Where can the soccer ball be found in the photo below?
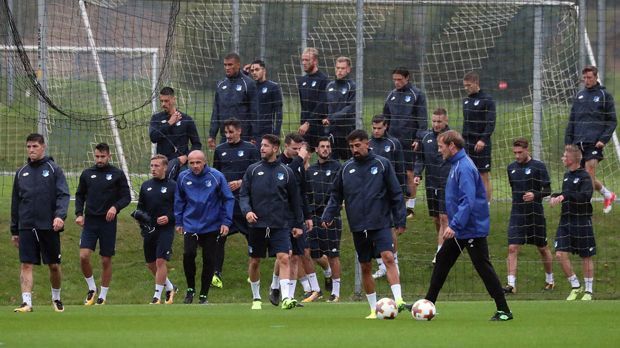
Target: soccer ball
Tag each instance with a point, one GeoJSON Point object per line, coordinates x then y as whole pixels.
{"type": "Point", "coordinates": [423, 310]}
{"type": "Point", "coordinates": [386, 309]}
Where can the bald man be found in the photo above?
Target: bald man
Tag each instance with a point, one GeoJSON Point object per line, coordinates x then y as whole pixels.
{"type": "Point", "coordinates": [203, 210]}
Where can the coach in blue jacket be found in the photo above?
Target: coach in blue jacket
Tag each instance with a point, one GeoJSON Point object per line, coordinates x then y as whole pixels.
{"type": "Point", "coordinates": [468, 224]}
{"type": "Point", "coordinates": [203, 210]}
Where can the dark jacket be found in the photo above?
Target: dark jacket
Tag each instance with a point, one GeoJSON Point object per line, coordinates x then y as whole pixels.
{"type": "Point", "coordinates": [312, 89]}
{"type": "Point", "coordinates": [430, 159]}
{"type": "Point", "coordinates": [157, 199]}
{"type": "Point", "coordinates": [340, 99]}
{"type": "Point", "coordinates": [40, 194]}
{"type": "Point", "coordinates": [528, 177]}
{"type": "Point", "coordinates": [592, 117]}
{"type": "Point", "coordinates": [234, 97]}
{"type": "Point", "coordinates": [371, 193]}
{"type": "Point", "coordinates": [100, 189]}
{"type": "Point", "coordinates": [172, 140]}
{"type": "Point", "coordinates": [478, 117]}
{"type": "Point", "coordinates": [233, 160]}
{"type": "Point", "coordinates": [269, 120]}
{"type": "Point", "coordinates": [391, 148]}
{"type": "Point", "coordinates": [405, 110]}
{"type": "Point", "coordinates": [297, 165]}
{"type": "Point", "coordinates": [577, 191]}
{"type": "Point", "coordinates": [319, 179]}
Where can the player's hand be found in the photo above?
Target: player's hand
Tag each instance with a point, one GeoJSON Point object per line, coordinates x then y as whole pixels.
{"type": "Point", "coordinates": [325, 122]}
{"type": "Point", "coordinates": [479, 146]}
{"type": "Point", "coordinates": [528, 196]}
{"type": "Point", "coordinates": [15, 241]}
{"type": "Point", "coordinates": [234, 185]}
{"type": "Point", "coordinates": [448, 233]}
{"type": "Point", "coordinates": [309, 225]}
{"type": "Point", "coordinates": [556, 200]}
{"type": "Point", "coordinates": [327, 224]}
{"type": "Point", "coordinates": [175, 117]}
{"type": "Point", "coordinates": [251, 217]}
{"type": "Point", "coordinates": [162, 220]}
{"type": "Point", "coordinates": [182, 159]}
{"type": "Point", "coordinates": [246, 68]}
{"type": "Point", "coordinates": [415, 145]}
{"type": "Point", "coordinates": [400, 230]}
{"type": "Point", "coordinates": [58, 224]}
{"type": "Point", "coordinates": [303, 128]}
{"type": "Point", "coordinates": [303, 152]}
{"type": "Point", "coordinates": [599, 145]}
{"type": "Point", "coordinates": [211, 143]}
{"type": "Point", "coordinates": [297, 232]}
{"type": "Point", "coordinates": [224, 230]}
{"type": "Point", "coordinates": [416, 180]}
{"type": "Point", "coordinates": [111, 214]}
{"type": "Point", "coordinates": [80, 220]}
{"type": "Point", "coordinates": [179, 229]}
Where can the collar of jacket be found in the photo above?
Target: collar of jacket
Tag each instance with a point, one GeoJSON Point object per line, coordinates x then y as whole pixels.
{"type": "Point", "coordinates": [460, 154]}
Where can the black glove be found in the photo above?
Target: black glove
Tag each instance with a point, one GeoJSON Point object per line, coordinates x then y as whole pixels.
{"type": "Point", "coordinates": [144, 220]}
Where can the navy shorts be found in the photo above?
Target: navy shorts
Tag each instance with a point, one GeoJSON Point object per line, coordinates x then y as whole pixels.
{"type": "Point", "coordinates": [97, 228]}
{"type": "Point", "coordinates": [481, 159]}
{"type": "Point", "coordinates": [589, 152]}
{"type": "Point", "coordinates": [436, 200]}
{"type": "Point", "coordinates": [324, 241]}
{"type": "Point", "coordinates": [35, 245]}
{"type": "Point", "coordinates": [527, 229]}
{"type": "Point", "coordinates": [371, 243]}
{"type": "Point", "coordinates": [298, 245]}
{"type": "Point", "coordinates": [576, 237]}
{"type": "Point", "coordinates": [276, 240]}
{"type": "Point", "coordinates": [158, 244]}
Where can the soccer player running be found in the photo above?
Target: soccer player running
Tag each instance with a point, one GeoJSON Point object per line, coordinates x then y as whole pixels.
{"type": "Point", "coordinates": [382, 144]}
{"type": "Point", "coordinates": [235, 96]}
{"type": "Point", "coordinates": [271, 202]}
{"type": "Point", "coordinates": [269, 94]}
{"type": "Point", "coordinates": [39, 204]}
{"type": "Point", "coordinates": [530, 183]}
{"type": "Point", "coordinates": [478, 126]}
{"type": "Point", "coordinates": [172, 130]}
{"type": "Point", "coordinates": [324, 241]}
{"type": "Point", "coordinates": [575, 233]}
{"type": "Point", "coordinates": [104, 190]}
{"type": "Point", "coordinates": [203, 211]}
{"type": "Point", "coordinates": [155, 213]}
{"type": "Point", "coordinates": [312, 87]}
{"type": "Point", "coordinates": [468, 224]}
{"type": "Point", "coordinates": [429, 159]}
{"type": "Point", "coordinates": [232, 158]}
{"type": "Point", "coordinates": [374, 203]}
{"type": "Point", "coordinates": [591, 125]}
{"type": "Point", "coordinates": [405, 110]}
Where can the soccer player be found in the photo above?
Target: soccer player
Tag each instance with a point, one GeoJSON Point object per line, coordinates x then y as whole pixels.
{"type": "Point", "coordinates": [382, 144]}
{"type": "Point", "coordinates": [340, 99]}
{"type": "Point", "coordinates": [270, 200]}
{"type": "Point", "coordinates": [156, 200]}
{"type": "Point", "coordinates": [171, 130]}
{"type": "Point", "coordinates": [269, 94]}
{"type": "Point", "coordinates": [530, 183]}
{"type": "Point", "coordinates": [591, 124]}
{"type": "Point", "coordinates": [429, 159]}
{"type": "Point", "coordinates": [39, 206]}
{"type": "Point", "coordinates": [104, 190]}
{"type": "Point", "coordinates": [235, 96]}
{"type": "Point", "coordinates": [232, 158]}
{"type": "Point", "coordinates": [478, 126]}
{"type": "Point", "coordinates": [575, 233]}
{"type": "Point", "coordinates": [324, 241]}
{"type": "Point", "coordinates": [203, 211]}
{"type": "Point", "coordinates": [405, 110]}
{"type": "Point", "coordinates": [312, 97]}
{"type": "Point", "coordinates": [468, 224]}
{"type": "Point", "coordinates": [374, 203]}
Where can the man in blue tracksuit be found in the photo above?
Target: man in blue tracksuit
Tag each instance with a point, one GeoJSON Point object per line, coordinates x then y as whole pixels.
{"type": "Point", "coordinates": [374, 203]}
{"type": "Point", "coordinates": [468, 224]}
{"type": "Point", "coordinates": [269, 94]}
{"type": "Point", "coordinates": [591, 125]}
{"type": "Point", "coordinates": [203, 210]}
{"type": "Point", "coordinates": [340, 99]}
{"type": "Point", "coordinates": [235, 96]}
{"type": "Point", "coordinates": [312, 87]}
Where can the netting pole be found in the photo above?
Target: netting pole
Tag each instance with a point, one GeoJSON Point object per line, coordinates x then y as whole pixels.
{"type": "Point", "coordinates": [235, 18]}
{"type": "Point", "coordinates": [42, 67]}
{"type": "Point", "coordinates": [10, 68]}
{"type": "Point", "coordinates": [359, 66]}
{"type": "Point", "coordinates": [602, 37]}
{"type": "Point", "coordinates": [106, 97]}
{"type": "Point", "coordinates": [420, 19]}
{"type": "Point", "coordinates": [304, 27]}
{"type": "Point", "coordinates": [263, 30]}
{"type": "Point", "coordinates": [537, 85]}
{"type": "Point", "coordinates": [155, 93]}
{"type": "Point", "coordinates": [582, 34]}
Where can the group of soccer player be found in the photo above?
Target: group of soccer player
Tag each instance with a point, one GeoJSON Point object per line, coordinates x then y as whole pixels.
{"type": "Point", "coordinates": [289, 209]}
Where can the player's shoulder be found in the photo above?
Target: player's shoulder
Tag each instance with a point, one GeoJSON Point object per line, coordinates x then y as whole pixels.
{"type": "Point", "coordinates": [158, 116]}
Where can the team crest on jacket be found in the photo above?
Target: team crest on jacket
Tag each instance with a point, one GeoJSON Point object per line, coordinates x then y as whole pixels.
{"type": "Point", "coordinates": [352, 171]}
{"type": "Point", "coordinates": [264, 90]}
{"type": "Point", "coordinates": [164, 189]}
{"type": "Point", "coordinates": [240, 153]}
{"type": "Point", "coordinates": [304, 83]}
{"type": "Point", "coordinates": [149, 188]}
{"type": "Point", "coordinates": [315, 173]}
{"type": "Point", "coordinates": [313, 83]}
{"type": "Point", "coordinates": [328, 173]}
{"type": "Point", "coordinates": [580, 97]}
{"type": "Point", "coordinates": [343, 91]}
{"type": "Point", "coordinates": [280, 176]}
{"type": "Point", "coordinates": [387, 148]}
{"type": "Point", "coordinates": [374, 170]}
{"type": "Point", "coordinates": [594, 152]}
{"type": "Point", "coordinates": [407, 98]}
{"type": "Point", "coordinates": [576, 180]}
{"type": "Point", "coordinates": [108, 177]}
{"type": "Point", "coordinates": [238, 88]}
{"type": "Point", "coordinates": [527, 171]}
{"type": "Point", "coordinates": [93, 176]}
{"type": "Point", "coordinates": [46, 173]}
{"type": "Point", "coordinates": [596, 99]}
{"type": "Point", "coordinates": [224, 87]}
{"type": "Point", "coordinates": [188, 183]}
{"type": "Point", "coordinates": [476, 102]}
{"type": "Point", "coordinates": [331, 89]}
{"type": "Point", "coordinates": [208, 182]}
{"type": "Point", "coordinates": [466, 102]}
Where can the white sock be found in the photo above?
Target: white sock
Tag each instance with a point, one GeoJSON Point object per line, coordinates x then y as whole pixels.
{"type": "Point", "coordinates": [410, 203]}
{"type": "Point", "coordinates": [169, 285]}
{"type": "Point", "coordinates": [574, 281]}
{"type": "Point", "coordinates": [284, 288]}
{"type": "Point", "coordinates": [605, 192]}
{"type": "Point", "coordinates": [55, 294]}
{"type": "Point", "coordinates": [396, 292]}
{"type": "Point", "coordinates": [292, 284]}
{"type": "Point", "coordinates": [372, 300]}
{"type": "Point", "coordinates": [314, 282]}
{"type": "Point", "coordinates": [336, 287]}
{"type": "Point", "coordinates": [305, 283]}
{"type": "Point", "coordinates": [438, 247]}
{"type": "Point", "coordinates": [512, 280]}
{"type": "Point", "coordinates": [589, 282]}
{"type": "Point", "coordinates": [327, 273]}
{"type": "Point", "coordinates": [104, 292]}
{"type": "Point", "coordinates": [91, 283]}
{"type": "Point", "coordinates": [275, 282]}
{"type": "Point", "coordinates": [549, 278]}
{"type": "Point", "coordinates": [381, 264]}
{"type": "Point", "coordinates": [396, 263]}
{"type": "Point", "coordinates": [255, 289]}
{"type": "Point", "coordinates": [158, 290]}
{"type": "Point", "coordinates": [27, 297]}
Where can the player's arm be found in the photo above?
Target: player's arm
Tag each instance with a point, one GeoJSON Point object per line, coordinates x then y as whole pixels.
{"type": "Point", "coordinates": [489, 126]}
{"type": "Point", "coordinates": [611, 122]}
{"type": "Point", "coordinates": [294, 200]}
{"type": "Point", "coordinates": [245, 201]}
{"type": "Point", "coordinates": [124, 195]}
{"type": "Point", "coordinates": [158, 130]}
{"type": "Point", "coordinates": [335, 200]}
{"type": "Point", "coordinates": [348, 109]}
{"type": "Point", "coordinates": [214, 124]}
{"type": "Point", "coordinates": [179, 203]}
{"type": "Point", "coordinates": [62, 199]}
{"type": "Point", "coordinates": [420, 114]}
{"type": "Point", "coordinates": [395, 193]}
{"type": "Point", "coordinates": [569, 133]}
{"type": "Point", "coordinates": [545, 184]}
{"type": "Point", "coordinates": [228, 202]}
{"type": "Point", "coordinates": [467, 192]}
{"type": "Point", "coordinates": [277, 110]}
{"type": "Point", "coordinates": [15, 200]}
{"type": "Point", "coordinates": [194, 138]}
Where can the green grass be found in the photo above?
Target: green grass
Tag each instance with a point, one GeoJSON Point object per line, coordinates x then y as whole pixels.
{"type": "Point", "coordinates": [462, 324]}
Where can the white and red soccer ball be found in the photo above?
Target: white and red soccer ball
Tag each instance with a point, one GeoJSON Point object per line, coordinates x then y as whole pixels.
{"type": "Point", "coordinates": [423, 310]}
{"type": "Point", "coordinates": [386, 308]}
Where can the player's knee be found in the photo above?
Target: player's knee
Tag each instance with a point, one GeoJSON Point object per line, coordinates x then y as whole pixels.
{"type": "Point", "coordinates": [513, 249]}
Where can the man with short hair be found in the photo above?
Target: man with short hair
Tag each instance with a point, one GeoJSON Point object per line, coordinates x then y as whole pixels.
{"type": "Point", "coordinates": [232, 158]}
{"type": "Point", "coordinates": [235, 96]}
{"type": "Point", "coordinates": [39, 206]}
{"type": "Point", "coordinates": [530, 183]}
{"type": "Point", "coordinates": [468, 224]}
{"type": "Point", "coordinates": [374, 203]}
{"type": "Point", "coordinates": [104, 190]}
{"type": "Point", "coordinates": [430, 160]}
{"type": "Point", "coordinates": [203, 211]}
{"type": "Point", "coordinates": [591, 125]}
{"type": "Point", "coordinates": [156, 200]}
{"type": "Point", "coordinates": [269, 94]}
{"type": "Point", "coordinates": [478, 126]}
{"type": "Point", "coordinates": [575, 233]}
{"type": "Point", "coordinates": [172, 130]}
{"type": "Point", "coordinates": [312, 87]}
{"type": "Point", "coordinates": [271, 203]}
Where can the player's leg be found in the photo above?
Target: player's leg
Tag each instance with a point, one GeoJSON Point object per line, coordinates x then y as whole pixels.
{"type": "Point", "coordinates": [513, 254]}
{"type": "Point", "coordinates": [413, 190]}
{"type": "Point", "coordinates": [446, 257]}
{"type": "Point", "coordinates": [591, 164]}
{"type": "Point", "coordinates": [50, 253]}
{"type": "Point", "coordinates": [586, 246]}
{"type": "Point", "coordinates": [310, 271]}
{"type": "Point", "coordinates": [365, 251]}
{"type": "Point", "coordinates": [190, 245]}
{"type": "Point", "coordinates": [274, 289]}
{"type": "Point", "coordinates": [29, 255]}
{"type": "Point", "coordinates": [220, 254]}
{"type": "Point", "coordinates": [547, 261]}
{"type": "Point", "coordinates": [332, 249]}
{"type": "Point", "coordinates": [588, 277]}
{"type": "Point", "coordinates": [88, 242]}
{"type": "Point", "coordinates": [163, 252]}
{"type": "Point", "coordinates": [208, 242]}
{"type": "Point", "coordinates": [26, 282]}
{"type": "Point", "coordinates": [564, 260]}
{"type": "Point", "coordinates": [107, 249]}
